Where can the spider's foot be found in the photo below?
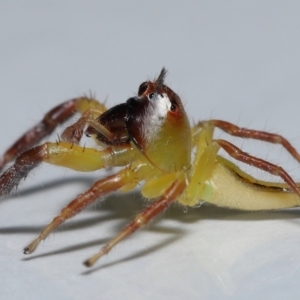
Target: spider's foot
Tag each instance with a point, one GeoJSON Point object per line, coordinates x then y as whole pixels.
{"type": "Point", "coordinates": [92, 260]}
{"type": "Point", "coordinates": [26, 250]}
{"type": "Point", "coordinates": [31, 247]}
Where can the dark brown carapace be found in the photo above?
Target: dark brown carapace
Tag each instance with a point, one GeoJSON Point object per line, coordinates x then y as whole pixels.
{"type": "Point", "coordinates": [150, 136]}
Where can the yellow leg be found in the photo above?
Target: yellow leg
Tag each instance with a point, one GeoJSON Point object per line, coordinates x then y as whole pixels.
{"type": "Point", "coordinates": [87, 159]}
{"type": "Point", "coordinates": [85, 103]}
{"type": "Point", "coordinates": [204, 161]}
{"type": "Point", "coordinates": [54, 117]}
{"type": "Point", "coordinates": [65, 155]}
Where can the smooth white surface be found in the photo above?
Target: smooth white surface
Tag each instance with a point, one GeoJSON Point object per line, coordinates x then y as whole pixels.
{"type": "Point", "coordinates": [234, 60]}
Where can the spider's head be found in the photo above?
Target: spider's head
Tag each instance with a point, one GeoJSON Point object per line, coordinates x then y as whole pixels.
{"type": "Point", "coordinates": [157, 123]}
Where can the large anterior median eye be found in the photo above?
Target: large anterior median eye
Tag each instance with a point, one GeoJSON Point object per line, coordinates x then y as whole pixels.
{"type": "Point", "coordinates": [151, 96]}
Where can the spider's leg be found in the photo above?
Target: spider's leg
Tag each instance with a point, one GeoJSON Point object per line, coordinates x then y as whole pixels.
{"type": "Point", "coordinates": [73, 133]}
{"type": "Point", "coordinates": [54, 117]}
{"type": "Point", "coordinates": [65, 155]}
{"type": "Point", "coordinates": [203, 164]}
{"type": "Point", "coordinates": [220, 182]}
{"type": "Point", "coordinates": [99, 188]}
{"type": "Point", "coordinates": [238, 154]}
{"type": "Point", "coordinates": [255, 134]}
{"type": "Point", "coordinates": [142, 218]}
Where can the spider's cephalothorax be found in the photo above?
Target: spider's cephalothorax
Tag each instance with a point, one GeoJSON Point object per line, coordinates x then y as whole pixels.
{"type": "Point", "coordinates": [155, 121]}
{"type": "Point", "coordinates": [151, 137]}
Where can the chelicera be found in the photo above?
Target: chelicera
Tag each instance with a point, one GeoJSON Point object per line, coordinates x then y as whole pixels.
{"type": "Point", "coordinates": [151, 138]}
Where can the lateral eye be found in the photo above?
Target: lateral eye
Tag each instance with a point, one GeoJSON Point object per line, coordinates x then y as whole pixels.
{"type": "Point", "coordinates": [173, 107]}
{"type": "Point", "coordinates": [142, 88]}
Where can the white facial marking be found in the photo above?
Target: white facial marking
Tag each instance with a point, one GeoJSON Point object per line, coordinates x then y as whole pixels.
{"type": "Point", "coordinates": [159, 106]}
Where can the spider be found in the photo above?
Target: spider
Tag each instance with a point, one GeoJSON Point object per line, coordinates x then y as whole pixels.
{"type": "Point", "coordinates": [151, 138]}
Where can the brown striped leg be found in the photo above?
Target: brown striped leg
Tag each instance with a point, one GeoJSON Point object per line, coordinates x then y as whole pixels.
{"type": "Point", "coordinates": [142, 219]}
{"type": "Point", "coordinates": [54, 117]}
{"type": "Point", "coordinates": [34, 135]}
{"type": "Point", "coordinates": [238, 154]}
{"type": "Point", "coordinates": [256, 134]}
{"type": "Point", "coordinates": [99, 188]}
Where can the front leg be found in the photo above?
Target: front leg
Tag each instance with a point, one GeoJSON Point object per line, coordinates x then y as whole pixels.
{"type": "Point", "coordinates": [45, 127]}
{"type": "Point", "coordinates": [65, 155]}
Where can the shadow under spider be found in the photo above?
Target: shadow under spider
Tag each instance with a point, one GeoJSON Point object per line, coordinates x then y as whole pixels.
{"type": "Point", "coordinates": [125, 206]}
{"type": "Point", "coordinates": [138, 254]}
{"type": "Point", "coordinates": [86, 181]}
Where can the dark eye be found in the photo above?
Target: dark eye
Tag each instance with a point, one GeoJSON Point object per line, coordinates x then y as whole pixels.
{"type": "Point", "coordinates": [142, 88]}
{"type": "Point", "coordinates": [151, 95]}
{"type": "Point", "coordinates": [173, 106]}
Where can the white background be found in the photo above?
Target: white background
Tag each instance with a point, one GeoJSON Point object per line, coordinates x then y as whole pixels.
{"type": "Point", "coordinates": [234, 60]}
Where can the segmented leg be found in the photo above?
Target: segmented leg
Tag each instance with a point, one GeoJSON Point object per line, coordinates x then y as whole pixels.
{"type": "Point", "coordinates": [205, 159]}
{"type": "Point", "coordinates": [255, 134]}
{"type": "Point", "coordinates": [66, 155]}
{"type": "Point", "coordinates": [238, 154]}
{"type": "Point", "coordinates": [54, 117]}
{"type": "Point", "coordinates": [99, 188]}
{"type": "Point", "coordinates": [142, 218]}
{"type": "Point", "coordinates": [73, 133]}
